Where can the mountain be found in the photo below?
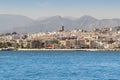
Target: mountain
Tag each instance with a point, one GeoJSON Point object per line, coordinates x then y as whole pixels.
{"type": "Point", "coordinates": [55, 23]}
{"type": "Point", "coordinates": [23, 24]}
{"type": "Point", "coordinates": [8, 22]}
{"type": "Point", "coordinates": [87, 22]}
{"type": "Point", "coordinates": [71, 18]}
{"type": "Point", "coordinates": [49, 24]}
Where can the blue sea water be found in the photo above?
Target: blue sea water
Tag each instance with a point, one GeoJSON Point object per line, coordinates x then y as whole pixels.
{"type": "Point", "coordinates": [59, 65]}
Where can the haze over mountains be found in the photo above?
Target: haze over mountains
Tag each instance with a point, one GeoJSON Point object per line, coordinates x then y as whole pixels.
{"type": "Point", "coordinates": [23, 24]}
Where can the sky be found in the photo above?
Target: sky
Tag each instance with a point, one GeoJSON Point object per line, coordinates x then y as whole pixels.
{"type": "Point", "coordinates": [75, 8]}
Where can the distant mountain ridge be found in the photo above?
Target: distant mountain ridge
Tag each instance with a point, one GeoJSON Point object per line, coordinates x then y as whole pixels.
{"type": "Point", "coordinates": [23, 24]}
{"type": "Point", "coordinates": [8, 22]}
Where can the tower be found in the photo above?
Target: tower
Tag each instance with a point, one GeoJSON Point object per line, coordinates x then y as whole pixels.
{"type": "Point", "coordinates": [62, 28]}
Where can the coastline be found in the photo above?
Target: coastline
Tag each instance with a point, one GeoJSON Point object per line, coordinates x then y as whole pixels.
{"type": "Point", "coordinates": [19, 49]}
{"type": "Point", "coordinates": [68, 49]}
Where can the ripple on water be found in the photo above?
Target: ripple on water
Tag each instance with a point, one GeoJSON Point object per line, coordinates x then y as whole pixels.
{"type": "Point", "coordinates": [59, 65]}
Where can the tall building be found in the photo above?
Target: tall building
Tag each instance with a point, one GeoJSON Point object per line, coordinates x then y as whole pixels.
{"type": "Point", "coordinates": [62, 28]}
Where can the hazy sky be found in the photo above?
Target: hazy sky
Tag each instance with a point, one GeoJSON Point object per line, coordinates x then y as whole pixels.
{"type": "Point", "coordinates": [75, 8]}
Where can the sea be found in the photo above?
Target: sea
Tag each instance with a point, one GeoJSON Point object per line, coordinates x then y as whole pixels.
{"type": "Point", "coordinates": [59, 65]}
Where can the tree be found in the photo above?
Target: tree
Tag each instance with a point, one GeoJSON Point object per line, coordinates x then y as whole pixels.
{"type": "Point", "coordinates": [5, 45]}
{"type": "Point", "coordinates": [1, 45]}
{"type": "Point", "coordinates": [14, 33]}
{"type": "Point", "coordinates": [9, 44]}
{"type": "Point", "coordinates": [8, 34]}
{"type": "Point", "coordinates": [42, 44]}
{"type": "Point", "coordinates": [54, 41]}
{"type": "Point", "coordinates": [24, 37]}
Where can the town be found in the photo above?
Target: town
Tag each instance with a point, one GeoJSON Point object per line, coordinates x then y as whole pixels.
{"type": "Point", "coordinates": [104, 38]}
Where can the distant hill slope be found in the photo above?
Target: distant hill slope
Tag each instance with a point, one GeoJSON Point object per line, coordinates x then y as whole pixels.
{"type": "Point", "coordinates": [8, 22]}
{"type": "Point", "coordinates": [18, 23]}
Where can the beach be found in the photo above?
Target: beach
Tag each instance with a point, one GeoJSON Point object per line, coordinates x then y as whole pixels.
{"type": "Point", "coordinates": [68, 49]}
